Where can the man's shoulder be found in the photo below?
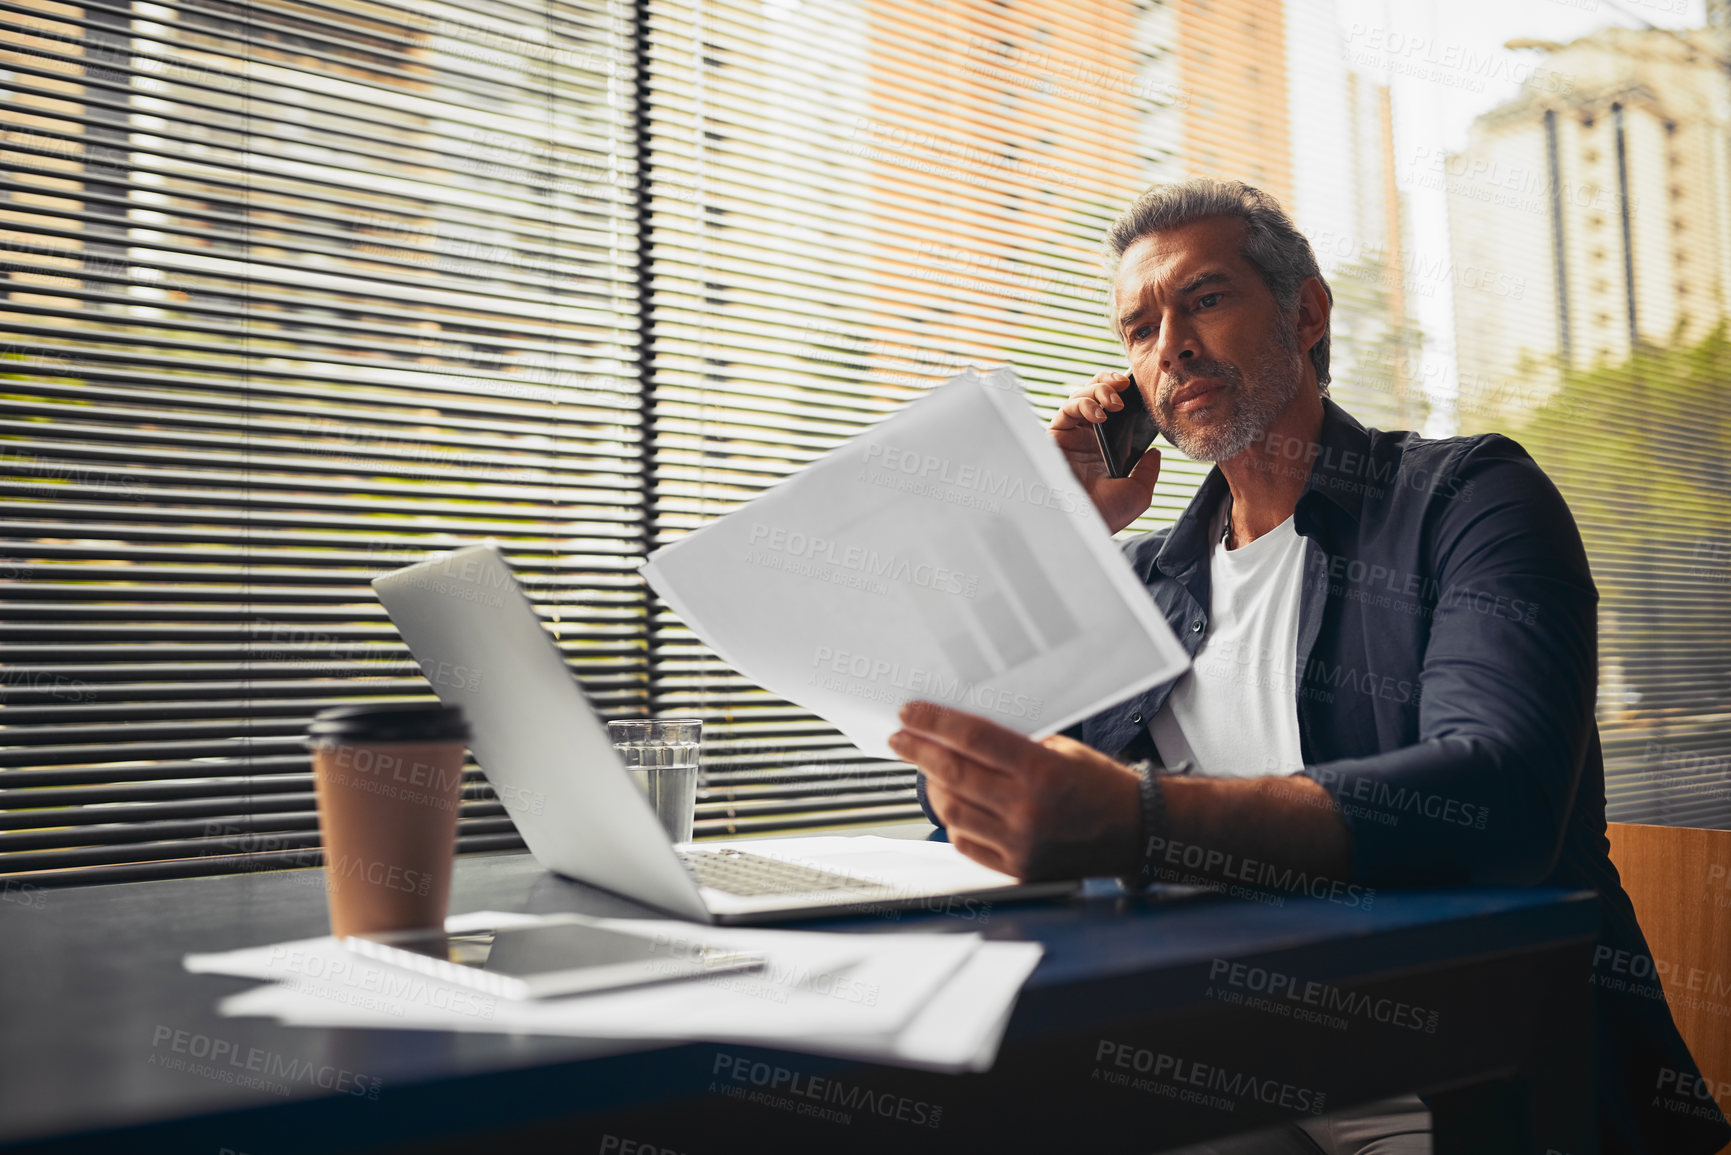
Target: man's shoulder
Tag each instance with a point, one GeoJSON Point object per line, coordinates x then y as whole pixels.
{"type": "Point", "coordinates": [1449, 466]}
{"type": "Point", "coordinates": [1440, 451]}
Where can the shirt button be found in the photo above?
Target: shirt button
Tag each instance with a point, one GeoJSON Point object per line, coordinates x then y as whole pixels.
{"type": "Point", "coordinates": [1136, 718]}
{"type": "Point", "coordinates": [1196, 626]}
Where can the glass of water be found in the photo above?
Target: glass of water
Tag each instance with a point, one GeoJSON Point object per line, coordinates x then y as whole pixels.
{"type": "Point", "coordinates": [661, 754]}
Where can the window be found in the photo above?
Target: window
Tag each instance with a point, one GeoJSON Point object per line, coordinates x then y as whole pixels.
{"type": "Point", "coordinates": [303, 294]}
{"type": "Point", "coordinates": [878, 211]}
{"type": "Point", "coordinates": [294, 295]}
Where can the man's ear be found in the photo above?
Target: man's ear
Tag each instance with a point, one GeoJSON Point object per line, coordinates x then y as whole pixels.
{"type": "Point", "coordinates": [1313, 313]}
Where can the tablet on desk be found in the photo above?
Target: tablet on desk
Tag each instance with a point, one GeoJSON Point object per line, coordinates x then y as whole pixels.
{"type": "Point", "coordinates": [561, 956]}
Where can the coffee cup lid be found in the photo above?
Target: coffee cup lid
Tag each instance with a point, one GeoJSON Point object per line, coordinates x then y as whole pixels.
{"type": "Point", "coordinates": [390, 722]}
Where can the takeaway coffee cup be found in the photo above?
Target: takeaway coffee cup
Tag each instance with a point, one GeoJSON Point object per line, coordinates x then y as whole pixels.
{"type": "Point", "coordinates": [389, 780]}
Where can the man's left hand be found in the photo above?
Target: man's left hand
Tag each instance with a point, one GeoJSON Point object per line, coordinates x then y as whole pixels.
{"type": "Point", "coordinates": [1036, 810]}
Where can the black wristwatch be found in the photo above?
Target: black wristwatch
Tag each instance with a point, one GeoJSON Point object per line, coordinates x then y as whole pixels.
{"type": "Point", "coordinates": [1153, 823]}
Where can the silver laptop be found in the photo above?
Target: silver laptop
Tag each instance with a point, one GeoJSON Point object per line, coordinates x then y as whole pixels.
{"type": "Point", "coordinates": [547, 756]}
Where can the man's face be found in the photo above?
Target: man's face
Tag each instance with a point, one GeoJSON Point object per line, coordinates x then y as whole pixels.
{"type": "Point", "coordinates": [1216, 358]}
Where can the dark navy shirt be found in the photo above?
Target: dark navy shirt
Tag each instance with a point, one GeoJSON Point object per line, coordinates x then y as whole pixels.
{"type": "Point", "coordinates": [1446, 671]}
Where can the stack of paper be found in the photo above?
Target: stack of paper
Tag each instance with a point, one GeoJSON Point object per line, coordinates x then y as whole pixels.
{"type": "Point", "coordinates": [939, 1001]}
{"type": "Point", "coordinates": [946, 554]}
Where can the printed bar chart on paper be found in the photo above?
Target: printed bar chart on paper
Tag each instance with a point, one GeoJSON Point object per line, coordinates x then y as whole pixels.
{"type": "Point", "coordinates": [946, 554]}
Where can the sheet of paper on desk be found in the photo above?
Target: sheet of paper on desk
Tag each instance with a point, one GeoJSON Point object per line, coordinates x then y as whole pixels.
{"type": "Point", "coordinates": [830, 983]}
{"type": "Point", "coordinates": [947, 554]}
{"type": "Point", "coordinates": [936, 1001]}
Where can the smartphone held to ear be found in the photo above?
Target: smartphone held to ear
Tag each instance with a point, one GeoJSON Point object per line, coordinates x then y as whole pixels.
{"type": "Point", "coordinates": [1126, 434]}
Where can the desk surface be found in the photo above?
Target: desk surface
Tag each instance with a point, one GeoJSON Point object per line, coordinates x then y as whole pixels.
{"type": "Point", "coordinates": [92, 990]}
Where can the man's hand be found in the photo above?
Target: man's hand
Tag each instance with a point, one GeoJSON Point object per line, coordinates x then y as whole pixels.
{"type": "Point", "coordinates": [1036, 810]}
{"type": "Point", "coordinates": [1120, 500]}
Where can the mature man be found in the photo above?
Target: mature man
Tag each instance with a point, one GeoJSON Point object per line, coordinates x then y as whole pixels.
{"type": "Point", "coordinates": [1394, 644]}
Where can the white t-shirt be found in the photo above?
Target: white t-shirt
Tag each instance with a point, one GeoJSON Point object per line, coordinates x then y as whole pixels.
{"type": "Point", "coordinates": [1234, 713]}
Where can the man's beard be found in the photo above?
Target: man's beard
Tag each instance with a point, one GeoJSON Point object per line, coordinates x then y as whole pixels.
{"type": "Point", "coordinates": [1275, 380]}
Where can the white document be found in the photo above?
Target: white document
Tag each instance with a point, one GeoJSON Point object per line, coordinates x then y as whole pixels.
{"type": "Point", "coordinates": [962, 1026]}
{"type": "Point", "coordinates": [817, 983]}
{"type": "Point", "coordinates": [945, 554]}
{"type": "Point", "coordinates": [937, 1001]}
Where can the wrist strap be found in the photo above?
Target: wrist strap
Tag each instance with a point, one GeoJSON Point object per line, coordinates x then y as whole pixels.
{"type": "Point", "coordinates": [1153, 823]}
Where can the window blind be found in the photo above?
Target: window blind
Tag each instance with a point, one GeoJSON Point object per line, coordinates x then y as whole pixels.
{"type": "Point", "coordinates": [1636, 442]}
{"type": "Point", "coordinates": [849, 203]}
{"type": "Point", "coordinates": [295, 293]}
{"type": "Point", "coordinates": [1604, 353]}
{"type": "Point", "coordinates": [298, 292]}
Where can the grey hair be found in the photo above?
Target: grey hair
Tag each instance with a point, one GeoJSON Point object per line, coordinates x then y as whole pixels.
{"type": "Point", "coordinates": [1272, 242]}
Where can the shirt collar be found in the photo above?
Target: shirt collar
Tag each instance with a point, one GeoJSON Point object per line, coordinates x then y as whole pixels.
{"type": "Point", "coordinates": [1342, 470]}
{"type": "Point", "coordinates": [1190, 542]}
{"type": "Point", "coordinates": [1339, 472]}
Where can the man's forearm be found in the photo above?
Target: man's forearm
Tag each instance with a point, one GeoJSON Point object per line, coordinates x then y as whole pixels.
{"type": "Point", "coordinates": [1222, 828]}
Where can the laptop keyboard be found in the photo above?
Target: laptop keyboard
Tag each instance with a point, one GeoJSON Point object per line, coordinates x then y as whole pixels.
{"type": "Point", "coordinates": [754, 875]}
